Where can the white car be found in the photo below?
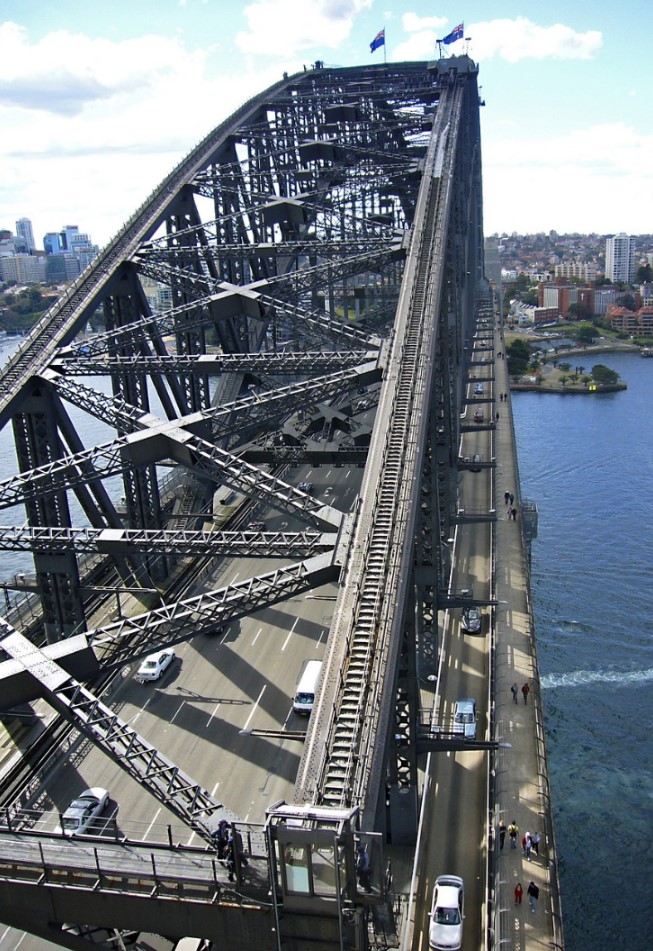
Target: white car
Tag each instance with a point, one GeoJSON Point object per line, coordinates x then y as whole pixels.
{"type": "Point", "coordinates": [464, 717]}
{"type": "Point", "coordinates": [83, 810]}
{"type": "Point", "coordinates": [447, 913]}
{"type": "Point", "coordinates": [478, 389]}
{"type": "Point", "coordinates": [154, 665]}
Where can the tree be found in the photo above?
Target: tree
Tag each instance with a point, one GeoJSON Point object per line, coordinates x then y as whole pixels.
{"type": "Point", "coordinates": [587, 333]}
{"type": "Point", "coordinates": [626, 300]}
{"type": "Point", "coordinates": [519, 355]}
{"type": "Point", "coordinates": [644, 274]}
{"type": "Point", "coordinates": [603, 374]}
{"type": "Point", "coordinates": [579, 311]}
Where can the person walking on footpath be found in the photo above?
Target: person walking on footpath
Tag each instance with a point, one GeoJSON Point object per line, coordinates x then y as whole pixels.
{"type": "Point", "coordinates": [515, 690]}
{"type": "Point", "coordinates": [513, 832]}
{"type": "Point", "coordinates": [533, 895]}
{"type": "Point", "coordinates": [535, 839]}
{"type": "Point", "coordinates": [519, 891]}
{"type": "Point", "coordinates": [511, 497]}
{"type": "Point", "coordinates": [506, 497]}
{"type": "Point", "coordinates": [502, 833]}
{"type": "Point", "coordinates": [527, 846]}
{"type": "Point", "coordinates": [525, 691]}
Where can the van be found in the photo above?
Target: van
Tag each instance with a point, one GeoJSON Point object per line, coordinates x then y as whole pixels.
{"type": "Point", "coordinates": [479, 416]}
{"type": "Point", "coordinates": [306, 687]}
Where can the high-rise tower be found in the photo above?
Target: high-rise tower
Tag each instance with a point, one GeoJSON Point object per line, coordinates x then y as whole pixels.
{"type": "Point", "coordinates": [620, 258]}
{"type": "Point", "coordinates": [24, 231]}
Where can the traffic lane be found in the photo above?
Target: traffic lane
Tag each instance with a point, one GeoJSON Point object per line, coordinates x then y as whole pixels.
{"type": "Point", "coordinates": [453, 847]}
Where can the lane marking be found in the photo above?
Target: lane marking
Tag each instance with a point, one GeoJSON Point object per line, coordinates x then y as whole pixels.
{"type": "Point", "coordinates": [149, 828]}
{"type": "Point", "coordinates": [215, 710]}
{"type": "Point", "coordinates": [290, 634]}
{"type": "Point", "coordinates": [256, 636]}
{"type": "Point", "coordinates": [178, 711]}
{"type": "Point", "coordinates": [253, 711]}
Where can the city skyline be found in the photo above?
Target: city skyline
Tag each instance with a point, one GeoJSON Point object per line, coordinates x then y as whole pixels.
{"type": "Point", "coordinates": [99, 104]}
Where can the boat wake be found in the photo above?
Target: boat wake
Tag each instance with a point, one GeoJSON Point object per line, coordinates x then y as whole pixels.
{"type": "Point", "coordinates": [578, 678]}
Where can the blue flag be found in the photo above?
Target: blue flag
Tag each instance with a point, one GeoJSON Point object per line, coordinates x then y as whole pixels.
{"type": "Point", "coordinates": [379, 40]}
{"type": "Point", "coordinates": [456, 34]}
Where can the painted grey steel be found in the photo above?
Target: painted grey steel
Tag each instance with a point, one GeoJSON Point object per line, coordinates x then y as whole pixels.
{"type": "Point", "coordinates": [357, 232]}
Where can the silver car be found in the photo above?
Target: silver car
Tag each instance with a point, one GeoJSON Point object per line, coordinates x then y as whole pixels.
{"type": "Point", "coordinates": [464, 717]}
{"type": "Point", "coordinates": [81, 814]}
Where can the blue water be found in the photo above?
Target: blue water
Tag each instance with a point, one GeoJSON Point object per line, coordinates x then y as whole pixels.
{"type": "Point", "coordinates": [588, 463]}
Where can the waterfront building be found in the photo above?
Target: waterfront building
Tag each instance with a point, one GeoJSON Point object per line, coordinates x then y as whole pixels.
{"type": "Point", "coordinates": [634, 323]}
{"type": "Point", "coordinates": [620, 258]}
{"type": "Point", "coordinates": [562, 297]}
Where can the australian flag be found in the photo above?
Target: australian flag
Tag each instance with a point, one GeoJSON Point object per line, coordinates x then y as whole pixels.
{"type": "Point", "coordinates": [456, 34]}
{"type": "Point", "coordinates": [379, 40]}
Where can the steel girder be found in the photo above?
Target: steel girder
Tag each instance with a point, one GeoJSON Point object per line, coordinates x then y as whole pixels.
{"type": "Point", "coordinates": [296, 172]}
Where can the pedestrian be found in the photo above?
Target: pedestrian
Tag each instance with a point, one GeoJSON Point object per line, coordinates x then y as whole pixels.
{"type": "Point", "coordinates": [528, 846]}
{"type": "Point", "coordinates": [363, 868]}
{"type": "Point", "coordinates": [497, 416]}
{"type": "Point", "coordinates": [519, 891]}
{"type": "Point", "coordinates": [506, 497]}
{"type": "Point", "coordinates": [515, 691]}
{"type": "Point", "coordinates": [513, 832]}
{"type": "Point", "coordinates": [524, 841]}
{"type": "Point", "coordinates": [533, 895]}
{"type": "Point", "coordinates": [221, 837]}
{"type": "Point", "coordinates": [535, 839]}
{"type": "Point", "coordinates": [525, 690]}
{"type": "Point", "coordinates": [512, 498]}
{"type": "Point", "coordinates": [502, 833]}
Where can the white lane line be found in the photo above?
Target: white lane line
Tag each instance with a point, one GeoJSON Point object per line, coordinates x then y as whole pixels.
{"type": "Point", "coordinates": [290, 634]}
{"type": "Point", "coordinates": [215, 789]}
{"type": "Point", "coordinates": [253, 711]}
{"type": "Point", "coordinates": [215, 710]}
{"type": "Point", "coordinates": [178, 711]}
{"type": "Point", "coordinates": [256, 636]}
{"type": "Point", "coordinates": [149, 828]}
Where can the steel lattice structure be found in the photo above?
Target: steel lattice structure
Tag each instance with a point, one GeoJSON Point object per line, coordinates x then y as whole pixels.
{"type": "Point", "coordinates": [325, 236]}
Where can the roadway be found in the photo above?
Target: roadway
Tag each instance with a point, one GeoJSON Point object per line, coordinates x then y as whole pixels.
{"type": "Point", "coordinates": [221, 688]}
{"type": "Point", "coordinates": [456, 783]}
{"type": "Point", "coordinates": [203, 711]}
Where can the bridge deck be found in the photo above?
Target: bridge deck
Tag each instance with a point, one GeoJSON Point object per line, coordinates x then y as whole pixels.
{"type": "Point", "coordinates": [522, 790]}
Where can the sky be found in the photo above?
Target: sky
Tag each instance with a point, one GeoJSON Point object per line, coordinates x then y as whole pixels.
{"type": "Point", "coordinates": [99, 101]}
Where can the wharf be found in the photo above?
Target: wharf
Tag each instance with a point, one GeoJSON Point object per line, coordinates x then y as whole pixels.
{"type": "Point", "coordinates": [521, 780]}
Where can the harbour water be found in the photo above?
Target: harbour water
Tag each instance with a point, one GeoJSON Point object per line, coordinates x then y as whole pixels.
{"type": "Point", "coordinates": [588, 463]}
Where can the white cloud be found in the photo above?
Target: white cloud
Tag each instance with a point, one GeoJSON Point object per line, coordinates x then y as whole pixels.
{"type": "Point", "coordinates": [63, 72]}
{"type": "Point", "coordinates": [276, 27]}
{"type": "Point", "coordinates": [556, 181]}
{"type": "Point", "coordinates": [412, 23]}
{"type": "Point", "coordinates": [514, 40]}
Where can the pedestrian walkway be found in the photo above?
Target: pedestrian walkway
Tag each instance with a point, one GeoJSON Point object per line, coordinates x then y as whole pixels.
{"type": "Point", "coordinates": [522, 788]}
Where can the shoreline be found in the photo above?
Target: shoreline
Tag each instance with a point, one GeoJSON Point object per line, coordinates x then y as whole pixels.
{"type": "Point", "coordinates": [554, 386]}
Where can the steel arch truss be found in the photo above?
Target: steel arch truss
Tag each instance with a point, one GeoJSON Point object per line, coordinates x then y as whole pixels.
{"type": "Point", "coordinates": [318, 240]}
